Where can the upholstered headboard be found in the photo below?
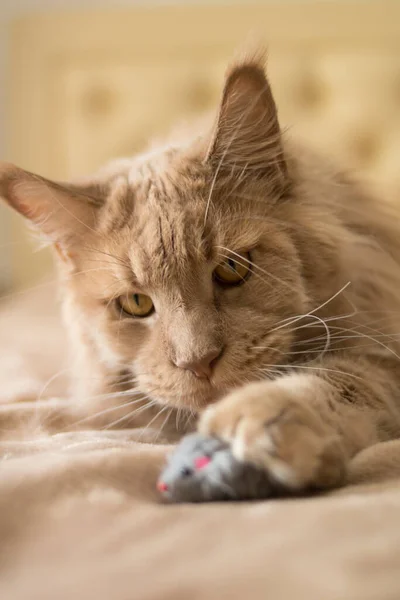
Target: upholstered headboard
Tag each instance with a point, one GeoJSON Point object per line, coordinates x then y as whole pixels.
{"type": "Point", "coordinates": [88, 87]}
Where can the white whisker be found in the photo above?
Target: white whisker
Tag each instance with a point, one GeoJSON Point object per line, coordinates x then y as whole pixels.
{"type": "Point", "coordinates": [291, 320]}
{"type": "Point", "coordinates": [132, 413]}
{"type": "Point", "coordinates": [295, 367]}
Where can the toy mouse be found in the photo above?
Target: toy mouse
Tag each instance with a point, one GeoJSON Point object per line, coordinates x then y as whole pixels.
{"type": "Point", "coordinates": [203, 469]}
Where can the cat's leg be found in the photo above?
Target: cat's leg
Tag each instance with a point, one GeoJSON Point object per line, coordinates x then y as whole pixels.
{"type": "Point", "coordinates": [304, 427]}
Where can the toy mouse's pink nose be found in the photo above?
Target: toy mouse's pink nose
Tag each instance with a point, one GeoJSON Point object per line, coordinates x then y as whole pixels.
{"type": "Point", "coordinates": [161, 486]}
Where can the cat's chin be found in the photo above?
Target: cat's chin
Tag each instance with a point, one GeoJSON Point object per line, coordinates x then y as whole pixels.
{"type": "Point", "coordinates": [196, 402]}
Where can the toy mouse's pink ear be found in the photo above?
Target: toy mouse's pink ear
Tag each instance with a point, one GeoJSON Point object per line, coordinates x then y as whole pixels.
{"type": "Point", "coordinates": [201, 461]}
{"type": "Point", "coordinates": [61, 211]}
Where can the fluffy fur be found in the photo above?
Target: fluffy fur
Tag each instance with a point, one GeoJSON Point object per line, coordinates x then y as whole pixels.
{"type": "Point", "coordinates": [308, 347]}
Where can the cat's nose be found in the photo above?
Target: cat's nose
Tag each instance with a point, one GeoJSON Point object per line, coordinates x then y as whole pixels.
{"type": "Point", "coordinates": [201, 366]}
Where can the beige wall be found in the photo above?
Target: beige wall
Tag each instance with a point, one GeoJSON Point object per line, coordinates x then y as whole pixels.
{"type": "Point", "coordinates": [14, 9]}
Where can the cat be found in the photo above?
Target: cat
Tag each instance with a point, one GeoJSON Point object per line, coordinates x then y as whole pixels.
{"type": "Point", "coordinates": [239, 276]}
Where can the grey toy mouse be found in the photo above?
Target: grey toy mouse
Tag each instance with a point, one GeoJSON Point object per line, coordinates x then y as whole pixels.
{"type": "Point", "coordinates": [203, 469]}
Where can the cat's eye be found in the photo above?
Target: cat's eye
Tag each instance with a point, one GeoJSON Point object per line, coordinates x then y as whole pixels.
{"type": "Point", "coordinates": [136, 305]}
{"type": "Point", "coordinates": [233, 270]}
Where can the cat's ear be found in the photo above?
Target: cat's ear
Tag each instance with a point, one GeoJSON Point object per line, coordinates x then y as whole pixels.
{"type": "Point", "coordinates": [247, 134]}
{"type": "Point", "coordinates": [62, 212]}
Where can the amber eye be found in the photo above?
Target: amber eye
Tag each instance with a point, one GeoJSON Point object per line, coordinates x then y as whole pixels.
{"type": "Point", "coordinates": [234, 269]}
{"type": "Point", "coordinates": [136, 305]}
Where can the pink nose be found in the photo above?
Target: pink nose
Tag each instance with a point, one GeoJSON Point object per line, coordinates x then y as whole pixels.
{"type": "Point", "coordinates": [201, 367]}
{"type": "Point", "coordinates": [161, 486]}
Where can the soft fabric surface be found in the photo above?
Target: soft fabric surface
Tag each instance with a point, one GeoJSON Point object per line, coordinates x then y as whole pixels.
{"type": "Point", "coordinates": [80, 517]}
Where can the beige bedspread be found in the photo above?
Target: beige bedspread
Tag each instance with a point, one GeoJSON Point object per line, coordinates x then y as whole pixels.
{"type": "Point", "coordinates": [80, 518]}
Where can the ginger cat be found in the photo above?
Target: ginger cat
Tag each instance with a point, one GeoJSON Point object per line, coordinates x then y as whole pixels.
{"type": "Point", "coordinates": [237, 276]}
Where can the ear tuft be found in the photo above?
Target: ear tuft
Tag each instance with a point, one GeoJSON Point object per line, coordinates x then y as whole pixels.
{"type": "Point", "coordinates": [9, 175]}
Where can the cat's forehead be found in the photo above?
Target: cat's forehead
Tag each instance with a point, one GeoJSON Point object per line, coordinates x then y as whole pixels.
{"type": "Point", "coordinates": [167, 235]}
{"type": "Point", "coordinates": [169, 196]}
{"type": "Point", "coordinates": [173, 219]}
{"type": "Point", "coordinates": [169, 173]}
{"type": "Point", "coordinates": [153, 188]}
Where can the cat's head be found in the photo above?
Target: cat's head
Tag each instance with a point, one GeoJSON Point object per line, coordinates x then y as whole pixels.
{"type": "Point", "coordinates": [182, 266]}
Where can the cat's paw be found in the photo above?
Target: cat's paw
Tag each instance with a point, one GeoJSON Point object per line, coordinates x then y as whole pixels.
{"type": "Point", "coordinates": [276, 427]}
